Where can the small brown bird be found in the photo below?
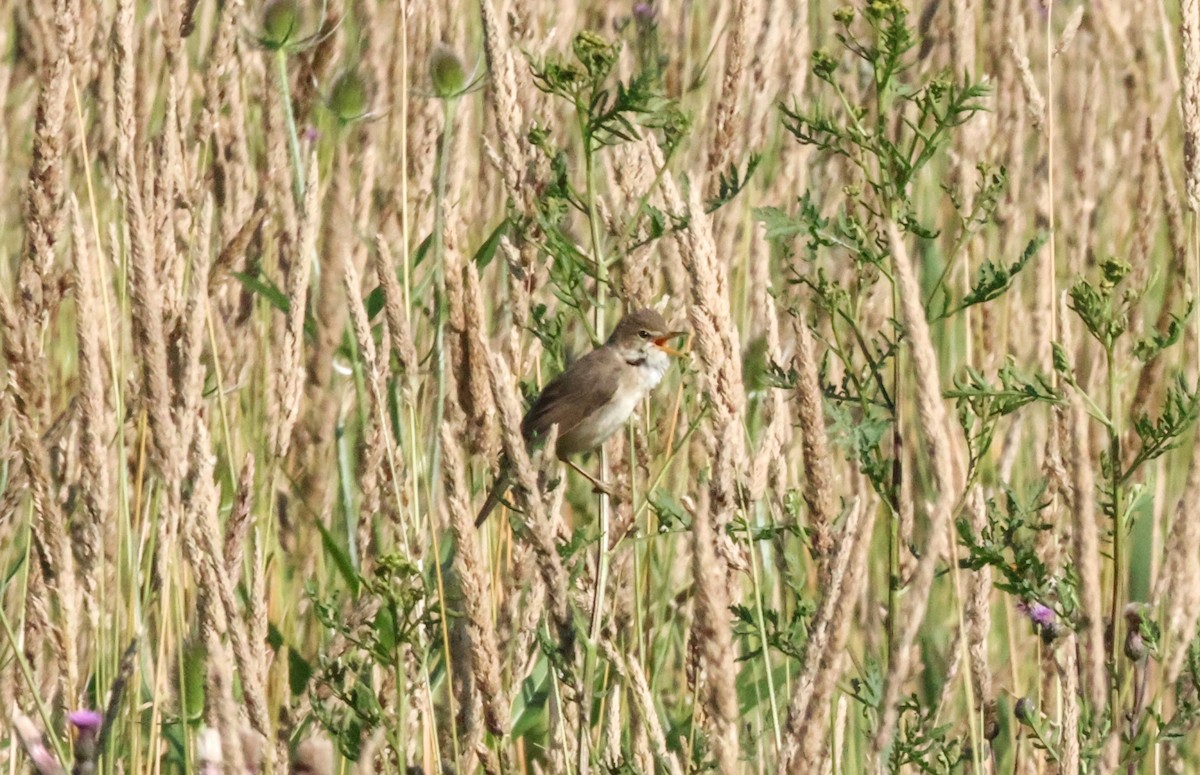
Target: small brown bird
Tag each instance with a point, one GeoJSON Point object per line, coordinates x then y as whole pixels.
{"type": "Point", "coordinates": [595, 395]}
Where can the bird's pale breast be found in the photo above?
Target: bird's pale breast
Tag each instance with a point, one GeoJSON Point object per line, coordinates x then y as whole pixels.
{"type": "Point", "coordinates": [636, 382]}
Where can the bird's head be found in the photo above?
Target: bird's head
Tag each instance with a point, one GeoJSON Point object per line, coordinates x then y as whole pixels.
{"type": "Point", "coordinates": [644, 333]}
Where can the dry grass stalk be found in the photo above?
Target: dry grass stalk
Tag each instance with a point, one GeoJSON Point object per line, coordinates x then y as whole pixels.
{"type": "Point", "coordinates": [643, 707]}
{"type": "Point", "coordinates": [44, 191]}
{"type": "Point", "coordinates": [711, 632]}
{"type": "Point", "coordinates": [1177, 586]}
{"type": "Point", "coordinates": [290, 376]}
{"type": "Point", "coordinates": [470, 569]}
{"type": "Point", "coordinates": [1068, 674]}
{"type": "Point", "coordinates": [188, 345]}
{"type": "Point", "coordinates": [1146, 221]}
{"type": "Point", "coordinates": [49, 530]}
{"type": "Point", "coordinates": [541, 522]}
{"type": "Point", "coordinates": [238, 523]}
{"type": "Point", "coordinates": [506, 110]}
{"type": "Point", "coordinates": [166, 171]}
{"type": "Point", "coordinates": [1085, 546]}
{"type": "Point", "coordinates": [962, 36]}
{"type": "Point", "coordinates": [94, 425]}
{"type": "Point", "coordinates": [932, 414]}
{"type": "Point", "coordinates": [1190, 98]}
{"type": "Point", "coordinates": [725, 125]}
{"type": "Point", "coordinates": [768, 464]}
{"type": "Point", "coordinates": [818, 470]}
{"type": "Point", "coordinates": [814, 745]}
{"type": "Point", "coordinates": [1034, 101]}
{"type": "Point", "coordinates": [1085, 167]}
{"type": "Point", "coordinates": [204, 545]}
{"type": "Point", "coordinates": [221, 710]}
{"type": "Point", "coordinates": [477, 397]}
{"type": "Point", "coordinates": [1174, 282]}
{"type": "Point", "coordinates": [978, 610]}
{"type": "Point", "coordinates": [144, 291]}
{"type": "Point", "coordinates": [813, 688]}
{"type": "Point", "coordinates": [322, 401]}
{"type": "Point", "coordinates": [400, 337]}
{"type": "Point", "coordinates": [715, 339]}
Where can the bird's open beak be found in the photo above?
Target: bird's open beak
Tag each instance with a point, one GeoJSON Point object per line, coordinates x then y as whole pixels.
{"type": "Point", "coordinates": [661, 342]}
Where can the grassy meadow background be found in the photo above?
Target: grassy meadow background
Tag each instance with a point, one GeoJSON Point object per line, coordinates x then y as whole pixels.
{"type": "Point", "coordinates": [278, 280]}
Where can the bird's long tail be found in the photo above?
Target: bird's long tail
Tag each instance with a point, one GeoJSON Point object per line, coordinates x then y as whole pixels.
{"type": "Point", "coordinates": [496, 496]}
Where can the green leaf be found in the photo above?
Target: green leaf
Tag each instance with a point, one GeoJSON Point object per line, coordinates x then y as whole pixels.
{"type": "Point", "coordinates": [422, 250]}
{"type": "Point", "coordinates": [732, 183]}
{"type": "Point", "coordinates": [300, 670]}
{"type": "Point", "coordinates": [1149, 347]}
{"type": "Point", "coordinates": [375, 302]}
{"type": "Point", "coordinates": [487, 251]}
{"type": "Point", "coordinates": [341, 560]}
{"type": "Point", "coordinates": [667, 508]}
{"type": "Point", "coordinates": [265, 288]}
{"type": "Point", "coordinates": [779, 224]}
{"type": "Point", "coordinates": [992, 281]}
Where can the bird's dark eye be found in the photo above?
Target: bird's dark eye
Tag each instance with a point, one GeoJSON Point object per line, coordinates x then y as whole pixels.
{"type": "Point", "coordinates": [644, 334]}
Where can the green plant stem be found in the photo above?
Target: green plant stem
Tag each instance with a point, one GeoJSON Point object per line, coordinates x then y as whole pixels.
{"type": "Point", "coordinates": [289, 119]}
{"type": "Point", "coordinates": [438, 249]}
{"type": "Point", "coordinates": [761, 623]}
{"type": "Point", "coordinates": [1118, 528]}
{"type": "Point", "coordinates": [586, 691]}
{"type": "Point", "coordinates": [894, 495]}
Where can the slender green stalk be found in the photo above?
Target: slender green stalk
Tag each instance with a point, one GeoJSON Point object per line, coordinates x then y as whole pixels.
{"type": "Point", "coordinates": [1118, 526]}
{"type": "Point", "coordinates": [602, 553]}
{"type": "Point", "coordinates": [761, 623]}
{"type": "Point", "coordinates": [289, 120]}
{"type": "Point", "coordinates": [438, 248]}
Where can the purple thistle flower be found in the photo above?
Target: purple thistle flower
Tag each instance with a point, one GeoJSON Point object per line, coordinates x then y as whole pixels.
{"type": "Point", "coordinates": [1041, 615]}
{"type": "Point", "coordinates": [86, 721]}
{"type": "Point", "coordinates": [645, 12]}
{"type": "Point", "coordinates": [87, 725]}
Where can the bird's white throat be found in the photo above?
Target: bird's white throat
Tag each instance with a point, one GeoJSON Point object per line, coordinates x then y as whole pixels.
{"type": "Point", "coordinates": [651, 364]}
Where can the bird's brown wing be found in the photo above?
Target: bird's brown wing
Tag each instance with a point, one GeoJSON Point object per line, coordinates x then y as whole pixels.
{"type": "Point", "coordinates": [587, 384]}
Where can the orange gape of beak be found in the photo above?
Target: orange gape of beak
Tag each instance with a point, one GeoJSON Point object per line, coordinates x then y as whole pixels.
{"type": "Point", "coordinates": [661, 343]}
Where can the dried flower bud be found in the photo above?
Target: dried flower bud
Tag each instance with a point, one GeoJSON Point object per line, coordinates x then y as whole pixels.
{"type": "Point", "coordinates": [1133, 616]}
{"type": "Point", "coordinates": [991, 721]}
{"type": "Point", "coordinates": [1050, 632]}
{"type": "Point", "coordinates": [350, 97]}
{"type": "Point", "coordinates": [446, 72]}
{"type": "Point", "coordinates": [280, 20]}
{"type": "Point", "coordinates": [1135, 646]}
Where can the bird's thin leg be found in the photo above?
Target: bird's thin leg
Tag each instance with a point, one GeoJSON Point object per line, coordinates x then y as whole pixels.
{"type": "Point", "coordinates": [600, 486]}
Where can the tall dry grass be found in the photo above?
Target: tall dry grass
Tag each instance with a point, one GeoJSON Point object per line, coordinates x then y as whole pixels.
{"type": "Point", "coordinates": [251, 401]}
